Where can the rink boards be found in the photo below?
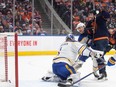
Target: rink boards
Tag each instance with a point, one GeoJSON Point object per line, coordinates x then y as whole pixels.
{"type": "Point", "coordinates": [38, 45]}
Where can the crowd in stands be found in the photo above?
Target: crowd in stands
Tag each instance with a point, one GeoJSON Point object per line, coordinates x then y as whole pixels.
{"type": "Point", "coordinates": [23, 24]}
{"type": "Point", "coordinates": [81, 8]}
{"type": "Point", "coordinates": [23, 18]}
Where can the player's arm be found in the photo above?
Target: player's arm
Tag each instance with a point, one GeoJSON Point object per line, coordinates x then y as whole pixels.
{"type": "Point", "coordinates": [85, 51]}
{"type": "Point", "coordinates": [89, 31]}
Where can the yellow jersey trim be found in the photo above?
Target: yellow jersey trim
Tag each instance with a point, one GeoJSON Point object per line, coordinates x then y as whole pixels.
{"type": "Point", "coordinates": [82, 49]}
{"type": "Point", "coordinates": [67, 67]}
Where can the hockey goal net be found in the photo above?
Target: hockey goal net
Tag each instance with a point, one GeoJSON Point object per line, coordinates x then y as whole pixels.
{"type": "Point", "coordinates": [8, 60]}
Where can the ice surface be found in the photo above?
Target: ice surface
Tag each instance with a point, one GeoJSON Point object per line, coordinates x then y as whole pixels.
{"type": "Point", "coordinates": [31, 69]}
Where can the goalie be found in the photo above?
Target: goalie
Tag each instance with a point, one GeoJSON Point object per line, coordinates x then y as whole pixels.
{"type": "Point", "coordinates": [64, 65]}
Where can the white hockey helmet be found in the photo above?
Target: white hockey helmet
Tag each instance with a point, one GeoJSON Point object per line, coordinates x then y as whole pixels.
{"type": "Point", "coordinates": [80, 25]}
{"type": "Point", "coordinates": [71, 37]}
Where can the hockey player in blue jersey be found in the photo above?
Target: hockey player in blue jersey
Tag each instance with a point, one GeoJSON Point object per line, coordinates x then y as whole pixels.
{"type": "Point", "coordinates": [85, 38]}
{"type": "Point", "coordinates": [64, 64]}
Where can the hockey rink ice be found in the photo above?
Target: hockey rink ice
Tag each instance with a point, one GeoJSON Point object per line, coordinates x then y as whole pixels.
{"type": "Point", "coordinates": [33, 68]}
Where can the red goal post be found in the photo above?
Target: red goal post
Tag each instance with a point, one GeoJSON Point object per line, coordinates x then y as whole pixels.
{"type": "Point", "coordinates": [8, 63]}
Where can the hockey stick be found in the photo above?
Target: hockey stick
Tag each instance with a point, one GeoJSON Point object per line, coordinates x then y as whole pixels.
{"type": "Point", "coordinates": [68, 85]}
{"type": "Point", "coordinates": [93, 71]}
{"type": "Point", "coordinates": [61, 84]}
{"type": "Point", "coordinates": [88, 75]}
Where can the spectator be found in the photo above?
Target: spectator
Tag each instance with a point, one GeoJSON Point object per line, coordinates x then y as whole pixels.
{"type": "Point", "coordinates": [23, 17]}
{"type": "Point", "coordinates": [43, 33]}
{"type": "Point", "coordinates": [81, 8]}
{"type": "Point", "coordinates": [19, 32]}
{"type": "Point", "coordinates": [63, 32]}
{"type": "Point", "coordinates": [1, 18]}
{"type": "Point", "coordinates": [1, 29]}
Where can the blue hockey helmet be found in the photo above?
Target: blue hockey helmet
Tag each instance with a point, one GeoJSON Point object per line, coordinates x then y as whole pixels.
{"type": "Point", "coordinates": [70, 37]}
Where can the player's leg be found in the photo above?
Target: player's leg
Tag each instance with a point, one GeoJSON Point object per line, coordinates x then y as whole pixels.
{"type": "Point", "coordinates": [66, 72]}
{"type": "Point", "coordinates": [79, 62]}
{"type": "Point", "coordinates": [103, 70]}
{"type": "Point", "coordinates": [63, 70]}
{"type": "Point", "coordinates": [95, 67]}
{"type": "Point", "coordinates": [82, 59]}
{"type": "Point", "coordinates": [101, 46]}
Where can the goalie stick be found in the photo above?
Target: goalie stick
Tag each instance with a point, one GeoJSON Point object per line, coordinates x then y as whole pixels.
{"type": "Point", "coordinates": [66, 85]}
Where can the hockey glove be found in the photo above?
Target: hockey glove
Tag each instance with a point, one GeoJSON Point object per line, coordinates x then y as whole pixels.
{"type": "Point", "coordinates": [111, 61]}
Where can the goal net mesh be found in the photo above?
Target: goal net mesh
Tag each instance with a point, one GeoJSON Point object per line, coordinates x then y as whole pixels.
{"type": "Point", "coordinates": [7, 60]}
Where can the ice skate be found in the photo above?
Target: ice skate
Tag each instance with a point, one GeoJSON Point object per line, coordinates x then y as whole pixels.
{"type": "Point", "coordinates": [103, 76]}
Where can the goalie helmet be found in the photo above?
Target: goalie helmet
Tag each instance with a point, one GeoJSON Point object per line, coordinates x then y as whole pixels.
{"type": "Point", "coordinates": [70, 37]}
